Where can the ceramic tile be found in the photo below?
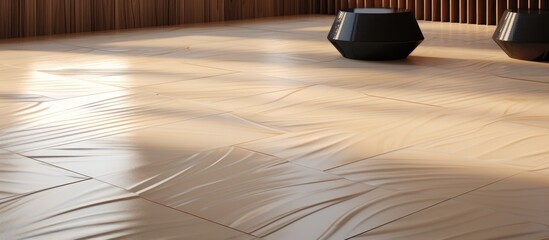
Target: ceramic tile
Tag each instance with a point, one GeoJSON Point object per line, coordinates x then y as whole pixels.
{"type": "Point", "coordinates": [23, 85]}
{"type": "Point", "coordinates": [423, 171]}
{"type": "Point", "coordinates": [351, 130]}
{"type": "Point", "coordinates": [250, 63]}
{"type": "Point", "coordinates": [450, 88]}
{"type": "Point", "coordinates": [260, 193]}
{"type": "Point", "coordinates": [524, 195]}
{"type": "Point", "coordinates": [320, 149]}
{"type": "Point", "coordinates": [92, 209]}
{"type": "Point", "coordinates": [345, 73]}
{"type": "Point", "coordinates": [218, 88]}
{"type": "Point", "coordinates": [355, 216]}
{"type": "Point", "coordinates": [61, 122]}
{"type": "Point", "coordinates": [454, 220]}
{"type": "Point", "coordinates": [135, 73]}
{"type": "Point", "coordinates": [319, 107]}
{"type": "Point", "coordinates": [157, 111]}
{"type": "Point", "coordinates": [20, 175]}
{"type": "Point", "coordinates": [143, 148]}
{"type": "Point", "coordinates": [511, 144]}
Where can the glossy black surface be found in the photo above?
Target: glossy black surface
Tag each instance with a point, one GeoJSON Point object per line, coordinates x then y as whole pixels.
{"type": "Point", "coordinates": [524, 34]}
{"type": "Point", "coordinates": [375, 34]}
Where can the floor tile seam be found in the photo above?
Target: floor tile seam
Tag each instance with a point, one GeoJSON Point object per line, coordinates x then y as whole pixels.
{"type": "Point", "coordinates": [480, 70]}
{"type": "Point", "coordinates": [200, 64]}
{"type": "Point", "coordinates": [54, 99]}
{"type": "Point", "coordinates": [463, 133]}
{"type": "Point", "coordinates": [22, 195]}
{"type": "Point", "coordinates": [411, 146]}
{"type": "Point", "coordinates": [369, 157]}
{"type": "Point", "coordinates": [138, 88]}
{"type": "Point", "coordinates": [402, 100]}
{"type": "Point", "coordinates": [366, 158]}
{"type": "Point", "coordinates": [209, 103]}
{"type": "Point", "coordinates": [259, 94]}
{"type": "Point", "coordinates": [286, 161]}
{"type": "Point", "coordinates": [135, 194]}
{"type": "Point", "coordinates": [179, 210]}
{"type": "Point", "coordinates": [436, 204]}
{"type": "Point", "coordinates": [45, 71]}
{"type": "Point", "coordinates": [120, 133]}
{"type": "Point", "coordinates": [51, 165]}
{"type": "Point", "coordinates": [522, 80]}
{"type": "Point", "coordinates": [498, 209]}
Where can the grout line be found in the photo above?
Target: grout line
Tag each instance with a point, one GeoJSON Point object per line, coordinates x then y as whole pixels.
{"type": "Point", "coordinates": [436, 204]}
{"type": "Point", "coordinates": [523, 80]}
{"type": "Point", "coordinates": [185, 212]}
{"type": "Point", "coordinates": [99, 180]}
{"type": "Point", "coordinates": [406, 101]}
{"type": "Point", "coordinates": [18, 196]}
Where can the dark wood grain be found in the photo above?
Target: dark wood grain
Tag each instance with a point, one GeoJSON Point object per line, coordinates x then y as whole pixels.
{"type": "Point", "coordinates": [24, 18]}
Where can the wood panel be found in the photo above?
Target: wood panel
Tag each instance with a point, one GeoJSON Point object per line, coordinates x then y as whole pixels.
{"type": "Point", "coordinates": [445, 10]}
{"type": "Point", "coordinates": [459, 11]}
{"type": "Point", "coordinates": [419, 10]}
{"type": "Point", "coordinates": [544, 4]}
{"type": "Point", "coordinates": [22, 18]}
{"type": "Point", "coordinates": [463, 11]}
{"type": "Point", "coordinates": [454, 10]}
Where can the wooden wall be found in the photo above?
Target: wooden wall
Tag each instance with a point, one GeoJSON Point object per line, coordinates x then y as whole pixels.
{"type": "Point", "coordinates": [462, 11]}
{"type": "Point", "coordinates": [23, 18]}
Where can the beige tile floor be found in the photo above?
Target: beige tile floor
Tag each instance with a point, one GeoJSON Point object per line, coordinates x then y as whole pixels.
{"type": "Point", "coordinates": [260, 130]}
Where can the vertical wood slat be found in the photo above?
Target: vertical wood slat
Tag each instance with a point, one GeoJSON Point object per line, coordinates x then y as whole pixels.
{"type": "Point", "coordinates": [463, 11]}
{"type": "Point", "coordinates": [512, 4]}
{"type": "Point", "coordinates": [352, 4]}
{"type": "Point", "coordinates": [344, 4]}
{"type": "Point", "coordinates": [378, 3]}
{"type": "Point", "coordinates": [401, 4]}
{"type": "Point", "coordinates": [491, 12]}
{"type": "Point", "coordinates": [436, 10]}
{"type": "Point", "coordinates": [544, 4]}
{"type": "Point", "coordinates": [23, 18]}
{"type": "Point", "coordinates": [445, 10]}
{"type": "Point", "coordinates": [454, 11]}
{"type": "Point", "coordinates": [501, 6]}
{"type": "Point", "coordinates": [472, 11]}
{"type": "Point", "coordinates": [20, 18]}
{"type": "Point", "coordinates": [428, 9]}
{"type": "Point", "coordinates": [411, 5]}
{"type": "Point", "coordinates": [419, 10]}
{"type": "Point", "coordinates": [481, 12]}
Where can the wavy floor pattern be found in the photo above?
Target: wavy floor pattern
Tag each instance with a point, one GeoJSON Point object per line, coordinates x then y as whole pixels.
{"type": "Point", "coordinates": [454, 220]}
{"type": "Point", "coordinates": [259, 129]}
{"type": "Point", "coordinates": [97, 210]}
{"type": "Point", "coordinates": [20, 175]}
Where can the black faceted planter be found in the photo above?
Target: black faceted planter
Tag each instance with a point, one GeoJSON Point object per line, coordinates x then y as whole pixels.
{"type": "Point", "coordinates": [375, 33]}
{"type": "Point", "coordinates": [524, 34]}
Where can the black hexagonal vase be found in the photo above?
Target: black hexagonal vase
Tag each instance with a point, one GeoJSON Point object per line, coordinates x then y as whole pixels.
{"type": "Point", "coordinates": [375, 33]}
{"type": "Point", "coordinates": [524, 34]}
